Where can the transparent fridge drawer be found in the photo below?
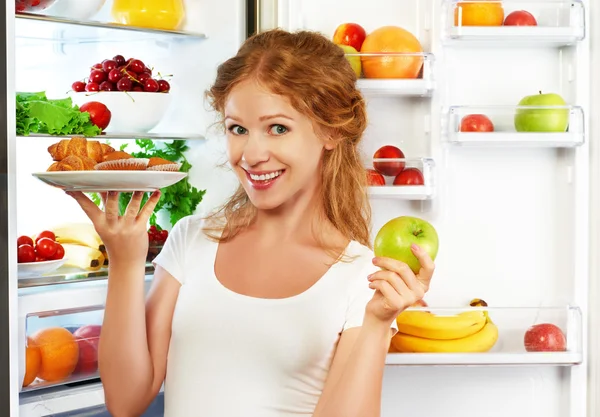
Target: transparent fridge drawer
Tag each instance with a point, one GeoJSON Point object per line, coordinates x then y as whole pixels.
{"type": "Point", "coordinates": [393, 74]}
{"type": "Point", "coordinates": [488, 336]}
{"type": "Point", "coordinates": [401, 178]}
{"type": "Point", "coordinates": [531, 126]}
{"type": "Point", "coordinates": [514, 23]}
{"type": "Point", "coordinates": [61, 347]}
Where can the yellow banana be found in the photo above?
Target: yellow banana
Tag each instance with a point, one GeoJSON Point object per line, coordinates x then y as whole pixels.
{"type": "Point", "coordinates": [481, 341]}
{"type": "Point", "coordinates": [83, 257]}
{"type": "Point", "coordinates": [431, 326]}
{"type": "Point", "coordinates": [80, 234]}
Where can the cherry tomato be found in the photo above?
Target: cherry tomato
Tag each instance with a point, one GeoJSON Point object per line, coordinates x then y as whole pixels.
{"type": "Point", "coordinates": [25, 253]}
{"type": "Point", "coordinates": [59, 254]}
{"type": "Point", "coordinates": [24, 240]}
{"type": "Point", "coordinates": [46, 248]}
{"type": "Point", "coordinates": [46, 233]}
{"type": "Point", "coordinates": [38, 258]}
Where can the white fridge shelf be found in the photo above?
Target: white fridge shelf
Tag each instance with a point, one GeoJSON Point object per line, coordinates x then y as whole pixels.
{"type": "Point", "coordinates": [483, 359]}
{"type": "Point", "coordinates": [401, 178]}
{"type": "Point", "coordinates": [385, 73]}
{"type": "Point", "coordinates": [503, 126]}
{"type": "Point", "coordinates": [558, 23]}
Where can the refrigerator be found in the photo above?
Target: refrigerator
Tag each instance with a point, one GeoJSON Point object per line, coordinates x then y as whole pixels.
{"type": "Point", "coordinates": [515, 207]}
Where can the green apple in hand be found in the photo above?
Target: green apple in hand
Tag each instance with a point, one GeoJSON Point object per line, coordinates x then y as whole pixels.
{"type": "Point", "coordinates": [542, 120]}
{"type": "Point", "coordinates": [395, 238]}
{"type": "Point", "coordinates": [353, 60]}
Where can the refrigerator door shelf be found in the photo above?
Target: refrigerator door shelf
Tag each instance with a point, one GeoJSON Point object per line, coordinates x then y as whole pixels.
{"type": "Point", "coordinates": [559, 23]}
{"type": "Point", "coordinates": [488, 336]}
{"type": "Point", "coordinates": [401, 178]}
{"type": "Point", "coordinates": [36, 28]}
{"type": "Point", "coordinates": [393, 66]}
{"type": "Point", "coordinates": [122, 135]}
{"type": "Point", "coordinates": [569, 131]}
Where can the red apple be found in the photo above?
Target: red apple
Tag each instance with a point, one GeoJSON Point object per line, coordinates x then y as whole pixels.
{"type": "Point", "coordinates": [410, 176]}
{"type": "Point", "coordinates": [476, 123]}
{"type": "Point", "coordinates": [88, 338]}
{"type": "Point", "coordinates": [374, 178]}
{"type": "Point", "coordinates": [351, 34]}
{"type": "Point", "coordinates": [99, 113]}
{"type": "Point", "coordinates": [520, 18]}
{"type": "Point", "coordinates": [545, 337]}
{"type": "Point", "coordinates": [390, 169]}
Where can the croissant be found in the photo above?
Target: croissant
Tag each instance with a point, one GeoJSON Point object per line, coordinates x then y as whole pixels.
{"type": "Point", "coordinates": [79, 147]}
{"type": "Point", "coordinates": [74, 163]}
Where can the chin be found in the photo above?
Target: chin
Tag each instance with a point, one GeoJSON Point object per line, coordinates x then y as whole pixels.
{"type": "Point", "coordinates": [264, 202]}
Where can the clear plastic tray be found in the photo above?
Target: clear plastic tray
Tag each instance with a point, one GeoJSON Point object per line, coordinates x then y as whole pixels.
{"type": "Point", "coordinates": [504, 126]}
{"type": "Point", "coordinates": [559, 23]}
{"type": "Point", "coordinates": [414, 178]}
{"type": "Point", "coordinates": [386, 76]}
{"type": "Point", "coordinates": [522, 336]}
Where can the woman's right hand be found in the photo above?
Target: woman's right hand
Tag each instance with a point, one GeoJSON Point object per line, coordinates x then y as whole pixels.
{"type": "Point", "coordinates": [125, 237]}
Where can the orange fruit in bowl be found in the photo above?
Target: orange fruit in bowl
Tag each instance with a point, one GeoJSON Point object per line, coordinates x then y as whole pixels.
{"type": "Point", "coordinates": [33, 362]}
{"type": "Point", "coordinates": [478, 13]}
{"type": "Point", "coordinates": [59, 352]}
{"type": "Point", "coordinates": [391, 39]}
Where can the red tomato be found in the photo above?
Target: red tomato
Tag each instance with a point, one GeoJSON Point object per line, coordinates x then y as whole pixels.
{"type": "Point", "coordinates": [46, 248]}
{"type": "Point", "coordinates": [25, 253]}
{"type": "Point", "coordinates": [46, 233]}
{"type": "Point", "coordinates": [24, 240]}
{"type": "Point", "coordinates": [59, 254]}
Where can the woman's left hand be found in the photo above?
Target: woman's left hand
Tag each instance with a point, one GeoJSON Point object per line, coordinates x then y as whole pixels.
{"type": "Point", "coordinates": [396, 285]}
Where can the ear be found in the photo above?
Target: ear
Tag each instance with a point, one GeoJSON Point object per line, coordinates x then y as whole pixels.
{"type": "Point", "coordinates": [331, 142]}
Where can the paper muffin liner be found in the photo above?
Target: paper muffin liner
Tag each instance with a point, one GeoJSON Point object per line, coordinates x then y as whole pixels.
{"type": "Point", "coordinates": [131, 164]}
{"type": "Point", "coordinates": [174, 167]}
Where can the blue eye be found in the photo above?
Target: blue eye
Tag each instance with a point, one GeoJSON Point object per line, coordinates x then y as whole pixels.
{"type": "Point", "coordinates": [237, 130]}
{"type": "Point", "coordinates": [278, 130]}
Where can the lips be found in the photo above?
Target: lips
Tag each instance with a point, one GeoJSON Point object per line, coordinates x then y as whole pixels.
{"type": "Point", "coordinates": [263, 180]}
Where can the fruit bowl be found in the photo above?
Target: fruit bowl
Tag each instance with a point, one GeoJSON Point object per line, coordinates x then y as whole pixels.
{"type": "Point", "coordinates": [76, 9]}
{"type": "Point", "coordinates": [33, 6]}
{"type": "Point", "coordinates": [132, 111]}
{"type": "Point", "coordinates": [36, 269]}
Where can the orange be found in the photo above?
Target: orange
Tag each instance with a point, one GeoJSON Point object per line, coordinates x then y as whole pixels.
{"type": "Point", "coordinates": [391, 39]}
{"type": "Point", "coordinates": [479, 14]}
{"type": "Point", "coordinates": [59, 351]}
{"type": "Point", "coordinates": [33, 361]}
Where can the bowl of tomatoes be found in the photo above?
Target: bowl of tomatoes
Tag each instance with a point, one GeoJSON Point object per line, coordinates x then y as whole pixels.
{"type": "Point", "coordinates": [32, 6]}
{"type": "Point", "coordinates": [39, 256]}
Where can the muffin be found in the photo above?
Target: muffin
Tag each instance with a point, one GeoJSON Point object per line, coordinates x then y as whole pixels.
{"type": "Point", "coordinates": [121, 161]}
{"type": "Point", "coordinates": [160, 164]}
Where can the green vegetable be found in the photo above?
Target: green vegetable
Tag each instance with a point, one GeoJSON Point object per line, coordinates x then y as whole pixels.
{"type": "Point", "coordinates": [179, 199]}
{"type": "Point", "coordinates": [37, 114]}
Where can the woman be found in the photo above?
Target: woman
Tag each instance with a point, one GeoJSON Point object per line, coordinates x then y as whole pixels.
{"type": "Point", "coordinates": [273, 305]}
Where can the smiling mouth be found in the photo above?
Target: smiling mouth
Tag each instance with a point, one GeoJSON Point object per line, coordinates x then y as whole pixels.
{"type": "Point", "coordinates": [264, 181]}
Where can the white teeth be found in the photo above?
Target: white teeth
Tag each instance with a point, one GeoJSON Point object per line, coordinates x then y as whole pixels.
{"type": "Point", "coordinates": [264, 177]}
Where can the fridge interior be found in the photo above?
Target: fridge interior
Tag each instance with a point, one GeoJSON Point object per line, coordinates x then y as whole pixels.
{"type": "Point", "coordinates": [511, 208]}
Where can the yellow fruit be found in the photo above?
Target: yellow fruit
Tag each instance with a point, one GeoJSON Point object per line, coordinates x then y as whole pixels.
{"type": "Point", "coordinates": [431, 326]}
{"type": "Point", "coordinates": [479, 13]}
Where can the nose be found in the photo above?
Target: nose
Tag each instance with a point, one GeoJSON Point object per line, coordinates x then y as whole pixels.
{"type": "Point", "coordinates": [256, 149]}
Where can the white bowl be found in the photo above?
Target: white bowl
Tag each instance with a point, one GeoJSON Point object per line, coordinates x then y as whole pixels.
{"type": "Point", "coordinates": [36, 269]}
{"type": "Point", "coordinates": [132, 111]}
{"type": "Point", "coordinates": [75, 9]}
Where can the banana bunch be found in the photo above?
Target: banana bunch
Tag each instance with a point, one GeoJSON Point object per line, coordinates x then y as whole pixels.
{"type": "Point", "coordinates": [467, 332]}
{"type": "Point", "coordinates": [83, 247]}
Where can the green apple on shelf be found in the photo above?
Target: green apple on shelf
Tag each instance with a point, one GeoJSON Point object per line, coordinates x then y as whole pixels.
{"type": "Point", "coordinates": [553, 120]}
{"type": "Point", "coordinates": [354, 60]}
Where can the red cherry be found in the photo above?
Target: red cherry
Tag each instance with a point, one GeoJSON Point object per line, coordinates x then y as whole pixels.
{"type": "Point", "coordinates": [164, 86]}
{"type": "Point", "coordinates": [107, 86]}
{"type": "Point", "coordinates": [151, 85]}
{"type": "Point", "coordinates": [97, 66]}
{"type": "Point", "coordinates": [92, 87]}
{"type": "Point", "coordinates": [143, 77]}
{"type": "Point", "coordinates": [78, 86]}
{"type": "Point", "coordinates": [137, 88]}
{"type": "Point", "coordinates": [137, 66]}
{"type": "Point", "coordinates": [124, 84]}
{"type": "Point", "coordinates": [119, 59]}
{"type": "Point", "coordinates": [114, 75]}
{"type": "Point", "coordinates": [97, 76]}
{"type": "Point", "coordinates": [108, 65]}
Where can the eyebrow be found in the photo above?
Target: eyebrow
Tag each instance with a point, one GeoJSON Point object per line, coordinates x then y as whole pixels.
{"type": "Point", "coordinates": [262, 118]}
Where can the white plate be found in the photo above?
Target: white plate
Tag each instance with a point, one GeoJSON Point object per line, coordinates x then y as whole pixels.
{"type": "Point", "coordinates": [35, 269]}
{"type": "Point", "coordinates": [99, 181]}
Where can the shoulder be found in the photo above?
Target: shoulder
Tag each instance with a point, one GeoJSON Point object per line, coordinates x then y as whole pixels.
{"type": "Point", "coordinates": [360, 257]}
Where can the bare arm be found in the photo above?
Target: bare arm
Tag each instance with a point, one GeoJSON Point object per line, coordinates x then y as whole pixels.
{"type": "Point", "coordinates": [135, 338]}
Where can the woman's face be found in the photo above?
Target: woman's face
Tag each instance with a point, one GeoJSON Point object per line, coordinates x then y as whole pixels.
{"type": "Point", "coordinates": [272, 148]}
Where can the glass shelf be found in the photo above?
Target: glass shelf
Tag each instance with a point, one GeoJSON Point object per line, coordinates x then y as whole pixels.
{"type": "Point", "coordinates": [413, 176]}
{"type": "Point", "coordinates": [124, 136]}
{"type": "Point", "coordinates": [35, 28]}
{"type": "Point", "coordinates": [503, 119]}
{"type": "Point", "coordinates": [382, 64]}
{"type": "Point", "coordinates": [66, 275]}
{"type": "Point", "coordinates": [504, 347]}
{"type": "Point", "coordinates": [559, 23]}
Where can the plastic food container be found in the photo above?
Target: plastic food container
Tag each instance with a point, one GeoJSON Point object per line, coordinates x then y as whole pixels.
{"type": "Point", "coordinates": [76, 9]}
{"type": "Point", "coordinates": [155, 14]}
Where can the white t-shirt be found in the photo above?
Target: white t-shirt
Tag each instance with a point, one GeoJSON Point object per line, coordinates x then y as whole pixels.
{"type": "Point", "coordinates": [232, 355]}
